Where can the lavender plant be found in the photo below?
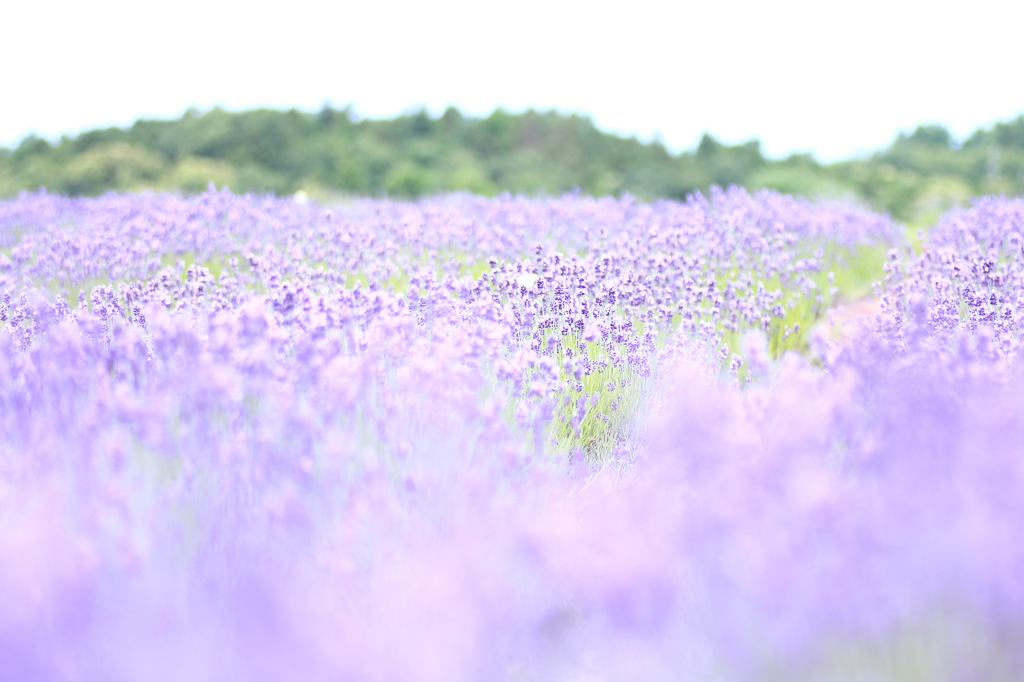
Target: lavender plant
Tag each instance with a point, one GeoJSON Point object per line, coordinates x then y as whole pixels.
{"type": "Point", "coordinates": [962, 293]}
{"type": "Point", "coordinates": [471, 439]}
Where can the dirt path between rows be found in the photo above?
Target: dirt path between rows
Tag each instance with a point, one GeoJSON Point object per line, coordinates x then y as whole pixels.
{"type": "Point", "coordinates": [843, 323]}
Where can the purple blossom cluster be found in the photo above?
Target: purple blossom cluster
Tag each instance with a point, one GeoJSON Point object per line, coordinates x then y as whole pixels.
{"type": "Point", "coordinates": [585, 290]}
{"type": "Point", "coordinates": [490, 439]}
{"type": "Point", "coordinates": [964, 292]}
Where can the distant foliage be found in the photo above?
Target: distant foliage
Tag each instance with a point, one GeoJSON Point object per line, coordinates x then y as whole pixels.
{"type": "Point", "coordinates": [331, 154]}
{"type": "Point", "coordinates": [410, 156]}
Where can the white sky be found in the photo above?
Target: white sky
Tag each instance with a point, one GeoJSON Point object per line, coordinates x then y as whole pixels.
{"type": "Point", "coordinates": [833, 78]}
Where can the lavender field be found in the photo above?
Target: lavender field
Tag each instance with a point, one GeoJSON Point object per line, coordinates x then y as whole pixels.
{"type": "Point", "coordinates": [247, 438]}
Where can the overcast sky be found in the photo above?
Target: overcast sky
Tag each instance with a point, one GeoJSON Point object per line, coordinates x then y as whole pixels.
{"type": "Point", "coordinates": [835, 79]}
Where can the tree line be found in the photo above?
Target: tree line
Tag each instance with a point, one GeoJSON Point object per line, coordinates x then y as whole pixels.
{"type": "Point", "coordinates": [332, 153]}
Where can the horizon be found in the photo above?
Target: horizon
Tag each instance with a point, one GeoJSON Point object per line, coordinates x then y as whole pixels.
{"type": "Point", "coordinates": [355, 115]}
{"type": "Point", "coordinates": [834, 82]}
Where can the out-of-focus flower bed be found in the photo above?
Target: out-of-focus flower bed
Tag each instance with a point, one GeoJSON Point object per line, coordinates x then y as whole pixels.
{"type": "Point", "coordinates": [485, 439]}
